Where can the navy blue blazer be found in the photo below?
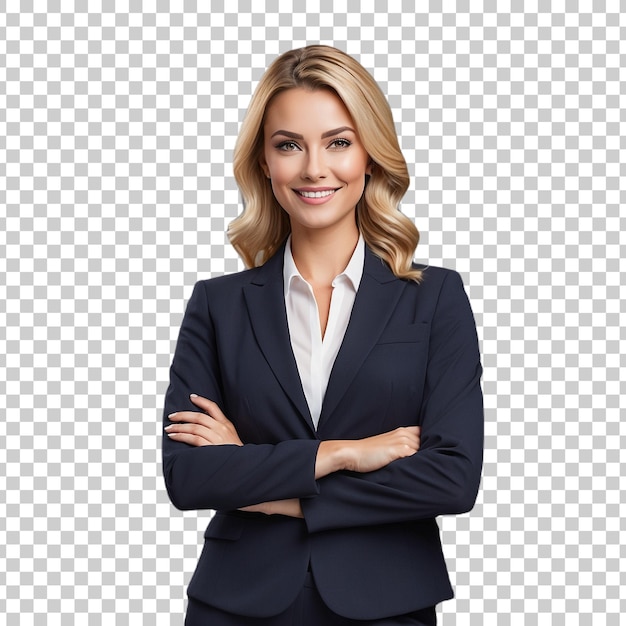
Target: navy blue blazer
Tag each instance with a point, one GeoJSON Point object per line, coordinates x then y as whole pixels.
{"type": "Point", "coordinates": [409, 356]}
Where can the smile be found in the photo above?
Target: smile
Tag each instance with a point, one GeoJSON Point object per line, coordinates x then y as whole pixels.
{"type": "Point", "coordinates": [316, 194]}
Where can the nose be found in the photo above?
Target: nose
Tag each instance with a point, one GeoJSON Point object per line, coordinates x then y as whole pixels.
{"type": "Point", "coordinates": [314, 165]}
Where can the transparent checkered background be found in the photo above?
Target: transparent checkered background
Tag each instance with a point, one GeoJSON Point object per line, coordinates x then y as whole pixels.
{"type": "Point", "coordinates": [117, 125]}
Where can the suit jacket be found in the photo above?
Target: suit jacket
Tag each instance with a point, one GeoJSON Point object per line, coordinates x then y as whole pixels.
{"type": "Point", "coordinates": [409, 356]}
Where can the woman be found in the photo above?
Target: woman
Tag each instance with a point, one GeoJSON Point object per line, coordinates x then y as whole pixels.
{"type": "Point", "coordinates": [326, 402]}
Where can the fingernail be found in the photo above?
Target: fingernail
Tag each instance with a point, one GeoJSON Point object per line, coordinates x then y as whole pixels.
{"type": "Point", "coordinates": [168, 427]}
{"type": "Point", "coordinates": [193, 395]}
{"type": "Point", "coordinates": [171, 415]}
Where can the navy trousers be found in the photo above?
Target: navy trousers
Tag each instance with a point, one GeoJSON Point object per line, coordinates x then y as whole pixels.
{"type": "Point", "coordinates": [308, 610]}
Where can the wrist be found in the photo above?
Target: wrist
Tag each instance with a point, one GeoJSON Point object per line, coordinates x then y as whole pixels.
{"type": "Point", "coordinates": [332, 456]}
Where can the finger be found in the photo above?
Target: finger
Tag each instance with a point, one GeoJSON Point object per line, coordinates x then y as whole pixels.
{"type": "Point", "coordinates": [411, 440]}
{"type": "Point", "coordinates": [192, 429]}
{"type": "Point", "coordinates": [404, 430]}
{"type": "Point", "coordinates": [193, 434]}
{"type": "Point", "coordinates": [209, 406]}
{"type": "Point", "coordinates": [189, 438]}
{"type": "Point", "coordinates": [413, 429]}
{"type": "Point", "coordinates": [414, 435]}
{"type": "Point", "coordinates": [216, 435]}
{"type": "Point", "coordinates": [411, 432]}
{"type": "Point", "coordinates": [191, 417]}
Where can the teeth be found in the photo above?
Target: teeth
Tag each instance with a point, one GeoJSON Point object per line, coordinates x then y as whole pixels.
{"type": "Point", "coordinates": [316, 194]}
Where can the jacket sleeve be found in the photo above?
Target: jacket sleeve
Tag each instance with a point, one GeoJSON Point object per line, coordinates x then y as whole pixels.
{"type": "Point", "coordinates": [223, 476]}
{"type": "Point", "coordinates": [443, 477]}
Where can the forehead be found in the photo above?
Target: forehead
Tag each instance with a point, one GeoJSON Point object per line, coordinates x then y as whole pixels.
{"type": "Point", "coordinates": [304, 108]}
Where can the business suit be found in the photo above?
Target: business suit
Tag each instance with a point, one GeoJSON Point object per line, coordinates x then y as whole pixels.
{"type": "Point", "coordinates": [409, 356]}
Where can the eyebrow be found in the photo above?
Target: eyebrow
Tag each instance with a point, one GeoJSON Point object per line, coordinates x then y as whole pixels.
{"type": "Point", "coordinates": [330, 133]}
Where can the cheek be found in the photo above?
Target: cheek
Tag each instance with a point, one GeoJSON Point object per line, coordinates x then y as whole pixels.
{"type": "Point", "coordinates": [283, 171]}
{"type": "Point", "coordinates": [351, 168]}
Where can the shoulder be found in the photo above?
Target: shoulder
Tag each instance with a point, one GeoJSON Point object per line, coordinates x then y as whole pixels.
{"type": "Point", "coordinates": [220, 291]}
{"type": "Point", "coordinates": [228, 282]}
{"type": "Point", "coordinates": [270, 272]}
{"type": "Point", "coordinates": [434, 277]}
{"type": "Point", "coordinates": [440, 289]}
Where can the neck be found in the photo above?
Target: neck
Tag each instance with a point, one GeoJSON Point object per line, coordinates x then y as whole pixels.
{"type": "Point", "coordinates": [321, 256]}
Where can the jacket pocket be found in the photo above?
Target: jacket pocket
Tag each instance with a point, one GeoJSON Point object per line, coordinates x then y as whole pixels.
{"type": "Point", "coordinates": [410, 333]}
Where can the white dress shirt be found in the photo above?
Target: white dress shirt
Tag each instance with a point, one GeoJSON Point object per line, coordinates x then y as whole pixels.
{"type": "Point", "coordinates": [315, 355]}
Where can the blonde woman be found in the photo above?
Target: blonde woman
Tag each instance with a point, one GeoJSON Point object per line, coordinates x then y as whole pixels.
{"type": "Point", "coordinates": [326, 402]}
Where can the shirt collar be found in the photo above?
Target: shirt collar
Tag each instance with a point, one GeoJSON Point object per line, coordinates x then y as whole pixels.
{"type": "Point", "coordinates": [353, 271]}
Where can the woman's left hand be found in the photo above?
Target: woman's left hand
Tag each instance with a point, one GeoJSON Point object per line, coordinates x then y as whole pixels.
{"type": "Point", "coordinates": [290, 508]}
{"type": "Point", "coordinates": [210, 428]}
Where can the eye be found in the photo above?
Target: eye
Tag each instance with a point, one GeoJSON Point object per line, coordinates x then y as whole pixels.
{"type": "Point", "coordinates": [340, 143]}
{"type": "Point", "coordinates": [288, 146]}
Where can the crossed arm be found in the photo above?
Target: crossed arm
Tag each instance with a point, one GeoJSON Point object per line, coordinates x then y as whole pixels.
{"type": "Point", "coordinates": [211, 427]}
{"type": "Point", "coordinates": [340, 483]}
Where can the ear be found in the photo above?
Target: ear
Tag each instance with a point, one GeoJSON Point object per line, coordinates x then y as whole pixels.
{"type": "Point", "coordinates": [264, 167]}
{"type": "Point", "coordinates": [370, 165]}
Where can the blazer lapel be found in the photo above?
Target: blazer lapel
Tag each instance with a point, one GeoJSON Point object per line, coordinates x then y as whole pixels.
{"type": "Point", "coordinates": [375, 301]}
{"type": "Point", "coordinates": [266, 307]}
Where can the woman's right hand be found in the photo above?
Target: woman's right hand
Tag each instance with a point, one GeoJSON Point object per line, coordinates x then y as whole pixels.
{"type": "Point", "coordinates": [209, 428]}
{"type": "Point", "coordinates": [369, 454]}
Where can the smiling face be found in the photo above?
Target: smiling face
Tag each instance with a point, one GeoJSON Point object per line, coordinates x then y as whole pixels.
{"type": "Point", "coordinates": [314, 158]}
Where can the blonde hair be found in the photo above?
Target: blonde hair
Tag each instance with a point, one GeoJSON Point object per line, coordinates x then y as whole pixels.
{"type": "Point", "coordinates": [262, 227]}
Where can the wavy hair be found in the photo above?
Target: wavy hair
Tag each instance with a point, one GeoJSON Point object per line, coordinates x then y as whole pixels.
{"type": "Point", "coordinates": [261, 228]}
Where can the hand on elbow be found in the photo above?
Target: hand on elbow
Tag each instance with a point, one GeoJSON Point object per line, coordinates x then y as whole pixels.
{"type": "Point", "coordinates": [207, 428]}
{"type": "Point", "coordinates": [369, 454]}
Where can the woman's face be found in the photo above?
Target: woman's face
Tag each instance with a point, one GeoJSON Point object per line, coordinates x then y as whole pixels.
{"type": "Point", "coordinates": [314, 158]}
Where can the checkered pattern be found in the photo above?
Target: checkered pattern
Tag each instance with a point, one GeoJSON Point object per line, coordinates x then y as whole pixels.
{"type": "Point", "coordinates": [117, 125]}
